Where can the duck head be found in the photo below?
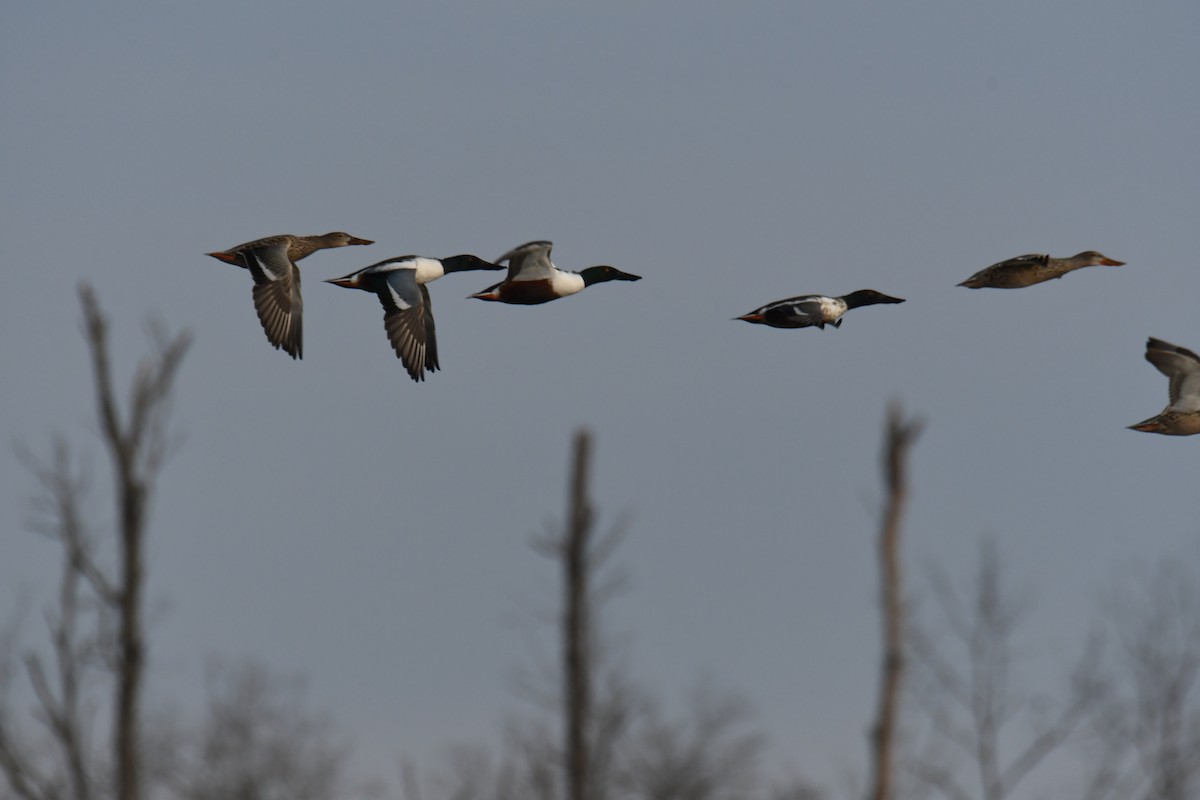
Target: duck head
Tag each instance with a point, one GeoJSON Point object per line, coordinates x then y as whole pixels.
{"type": "Point", "coordinates": [341, 239]}
{"type": "Point", "coordinates": [467, 262]}
{"type": "Point", "coordinates": [604, 273]}
{"type": "Point", "coordinates": [869, 297]}
{"type": "Point", "coordinates": [1092, 257]}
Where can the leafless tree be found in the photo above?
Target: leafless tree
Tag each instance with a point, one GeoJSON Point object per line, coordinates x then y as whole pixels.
{"type": "Point", "coordinates": [710, 752]}
{"type": "Point", "coordinates": [136, 441]}
{"type": "Point", "coordinates": [576, 625]}
{"type": "Point", "coordinates": [1148, 729]}
{"type": "Point", "coordinates": [258, 742]}
{"type": "Point", "coordinates": [62, 763]}
{"type": "Point", "coordinates": [971, 699]}
{"type": "Point", "coordinates": [598, 703]}
{"type": "Point", "coordinates": [899, 437]}
{"type": "Point", "coordinates": [601, 734]}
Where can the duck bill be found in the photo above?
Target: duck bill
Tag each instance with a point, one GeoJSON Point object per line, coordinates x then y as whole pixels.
{"type": "Point", "coordinates": [356, 240]}
{"type": "Point", "coordinates": [750, 318]}
{"type": "Point", "coordinates": [228, 258]}
{"type": "Point", "coordinates": [625, 276]}
{"type": "Point", "coordinates": [890, 299]}
{"type": "Point", "coordinates": [1111, 262]}
{"type": "Point", "coordinates": [348, 282]}
{"type": "Point", "coordinates": [1151, 425]}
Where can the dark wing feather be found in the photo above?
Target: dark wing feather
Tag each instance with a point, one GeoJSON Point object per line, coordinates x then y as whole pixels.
{"type": "Point", "coordinates": [280, 308]}
{"type": "Point", "coordinates": [267, 259]}
{"type": "Point", "coordinates": [797, 312]}
{"type": "Point", "coordinates": [408, 320]}
{"type": "Point", "coordinates": [1182, 367]}
{"type": "Point", "coordinates": [1029, 259]}
{"type": "Point", "coordinates": [431, 353]}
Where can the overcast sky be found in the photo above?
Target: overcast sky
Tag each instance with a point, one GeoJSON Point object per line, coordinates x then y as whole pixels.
{"type": "Point", "coordinates": [330, 516]}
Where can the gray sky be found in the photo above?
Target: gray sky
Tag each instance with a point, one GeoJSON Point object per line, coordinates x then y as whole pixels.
{"type": "Point", "coordinates": [333, 517]}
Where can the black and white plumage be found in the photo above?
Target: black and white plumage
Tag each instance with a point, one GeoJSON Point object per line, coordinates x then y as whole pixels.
{"type": "Point", "coordinates": [399, 283]}
{"type": "Point", "coordinates": [534, 279]}
{"type": "Point", "coordinates": [817, 310]}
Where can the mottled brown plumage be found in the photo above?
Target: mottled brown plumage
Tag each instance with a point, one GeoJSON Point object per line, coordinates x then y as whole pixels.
{"type": "Point", "coordinates": [1026, 270]}
{"type": "Point", "coordinates": [272, 263]}
{"type": "Point", "coordinates": [1181, 417]}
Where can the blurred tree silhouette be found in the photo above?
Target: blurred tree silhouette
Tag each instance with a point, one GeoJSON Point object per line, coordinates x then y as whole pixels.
{"type": "Point", "coordinates": [1147, 727]}
{"type": "Point", "coordinates": [257, 742]}
{"type": "Point", "coordinates": [602, 737]}
{"type": "Point", "coordinates": [978, 730]}
{"type": "Point", "coordinates": [899, 436]}
{"type": "Point", "coordinates": [137, 442]}
{"type": "Point", "coordinates": [972, 700]}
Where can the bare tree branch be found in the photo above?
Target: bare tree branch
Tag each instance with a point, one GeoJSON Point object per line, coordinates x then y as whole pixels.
{"type": "Point", "coordinates": [1150, 725]}
{"type": "Point", "coordinates": [576, 623]}
{"type": "Point", "coordinates": [970, 708]}
{"type": "Point", "coordinates": [135, 450]}
{"type": "Point", "coordinates": [898, 438]}
{"type": "Point", "coordinates": [258, 742]}
{"type": "Point", "coordinates": [108, 601]}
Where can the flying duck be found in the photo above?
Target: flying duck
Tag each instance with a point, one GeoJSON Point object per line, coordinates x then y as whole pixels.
{"type": "Point", "coordinates": [272, 264]}
{"type": "Point", "coordinates": [1016, 273]}
{"type": "Point", "coordinates": [1181, 417]}
{"type": "Point", "coordinates": [814, 309]}
{"type": "Point", "coordinates": [399, 283]}
{"type": "Point", "coordinates": [533, 278]}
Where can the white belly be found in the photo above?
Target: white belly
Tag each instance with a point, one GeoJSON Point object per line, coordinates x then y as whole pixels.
{"type": "Point", "coordinates": [832, 309]}
{"type": "Point", "coordinates": [565, 283]}
{"type": "Point", "coordinates": [428, 269]}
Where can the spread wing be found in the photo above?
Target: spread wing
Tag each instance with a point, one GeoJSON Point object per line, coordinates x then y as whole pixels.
{"type": "Point", "coordinates": [1182, 367]}
{"type": "Point", "coordinates": [267, 259]}
{"type": "Point", "coordinates": [277, 296]}
{"type": "Point", "coordinates": [408, 319]}
{"type": "Point", "coordinates": [529, 262]}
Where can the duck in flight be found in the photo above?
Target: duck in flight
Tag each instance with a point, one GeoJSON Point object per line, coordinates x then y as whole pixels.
{"type": "Point", "coordinates": [1026, 270]}
{"type": "Point", "coordinates": [1181, 417]}
{"type": "Point", "coordinates": [808, 310]}
{"type": "Point", "coordinates": [399, 283]}
{"type": "Point", "coordinates": [533, 278]}
{"type": "Point", "coordinates": [272, 264]}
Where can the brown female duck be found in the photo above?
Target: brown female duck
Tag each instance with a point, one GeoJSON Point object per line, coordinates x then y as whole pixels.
{"type": "Point", "coordinates": [1022, 271]}
{"type": "Point", "coordinates": [1181, 417]}
{"type": "Point", "coordinates": [272, 264]}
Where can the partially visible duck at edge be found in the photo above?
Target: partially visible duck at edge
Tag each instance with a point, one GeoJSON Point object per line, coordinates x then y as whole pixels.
{"type": "Point", "coordinates": [399, 283]}
{"type": "Point", "coordinates": [1026, 270]}
{"type": "Point", "coordinates": [1181, 417]}
{"type": "Point", "coordinates": [272, 264]}
{"type": "Point", "coordinates": [533, 278]}
{"type": "Point", "coordinates": [814, 309]}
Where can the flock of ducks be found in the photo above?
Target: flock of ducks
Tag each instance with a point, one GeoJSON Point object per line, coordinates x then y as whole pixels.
{"type": "Point", "coordinates": [400, 285]}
